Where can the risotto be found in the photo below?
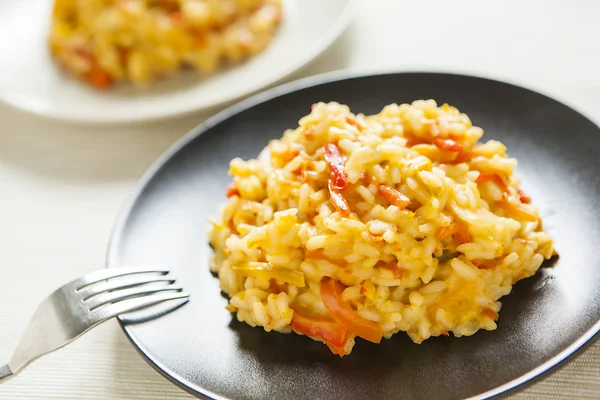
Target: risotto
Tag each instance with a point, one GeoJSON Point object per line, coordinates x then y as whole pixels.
{"type": "Point", "coordinates": [364, 226]}
{"type": "Point", "coordinates": [103, 41]}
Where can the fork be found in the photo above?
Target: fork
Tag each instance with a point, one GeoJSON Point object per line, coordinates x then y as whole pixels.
{"type": "Point", "coordinates": [86, 302]}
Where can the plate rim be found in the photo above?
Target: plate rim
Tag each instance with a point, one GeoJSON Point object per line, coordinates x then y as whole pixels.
{"type": "Point", "coordinates": [548, 367]}
{"type": "Point", "coordinates": [338, 27]}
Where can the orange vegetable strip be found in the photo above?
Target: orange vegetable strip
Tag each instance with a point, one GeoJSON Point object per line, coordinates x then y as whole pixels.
{"type": "Point", "coordinates": [444, 231]}
{"type": "Point", "coordinates": [277, 288]}
{"type": "Point", "coordinates": [513, 211]}
{"type": "Point", "coordinates": [491, 176]}
{"type": "Point", "coordinates": [339, 350]}
{"type": "Point", "coordinates": [458, 230]}
{"type": "Point", "coordinates": [363, 290]}
{"type": "Point", "coordinates": [338, 201]}
{"type": "Point", "coordinates": [331, 293]}
{"type": "Point", "coordinates": [97, 76]}
{"type": "Point", "coordinates": [523, 197]}
{"type": "Point", "coordinates": [447, 145]}
{"type": "Point", "coordinates": [398, 273]}
{"type": "Point", "coordinates": [336, 166]}
{"type": "Point", "coordinates": [354, 122]}
{"type": "Point", "coordinates": [393, 196]}
{"type": "Point", "coordinates": [491, 313]}
{"type": "Point", "coordinates": [464, 157]}
{"type": "Point", "coordinates": [287, 155]}
{"type": "Point", "coordinates": [309, 133]}
{"type": "Point", "coordinates": [232, 191]}
{"type": "Point", "coordinates": [393, 267]}
{"type": "Point", "coordinates": [462, 236]}
{"type": "Point", "coordinates": [332, 333]}
{"type": "Point", "coordinates": [518, 212]}
{"type": "Point", "coordinates": [100, 78]}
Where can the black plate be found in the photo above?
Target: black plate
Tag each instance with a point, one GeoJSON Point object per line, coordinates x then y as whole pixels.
{"type": "Point", "coordinates": [201, 348]}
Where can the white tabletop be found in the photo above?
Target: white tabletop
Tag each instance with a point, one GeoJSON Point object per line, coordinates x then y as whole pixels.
{"type": "Point", "coordinates": [62, 185]}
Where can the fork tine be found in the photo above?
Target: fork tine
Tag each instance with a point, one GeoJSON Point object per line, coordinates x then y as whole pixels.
{"type": "Point", "coordinates": [136, 303]}
{"type": "Point", "coordinates": [100, 288]}
{"type": "Point", "coordinates": [65, 315]}
{"type": "Point", "coordinates": [119, 295]}
{"type": "Point", "coordinates": [104, 274]}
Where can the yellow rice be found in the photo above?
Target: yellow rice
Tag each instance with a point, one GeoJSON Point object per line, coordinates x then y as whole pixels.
{"type": "Point", "coordinates": [103, 41]}
{"type": "Point", "coordinates": [398, 272]}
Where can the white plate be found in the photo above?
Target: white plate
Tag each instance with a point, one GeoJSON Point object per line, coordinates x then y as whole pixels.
{"type": "Point", "coordinates": [30, 80]}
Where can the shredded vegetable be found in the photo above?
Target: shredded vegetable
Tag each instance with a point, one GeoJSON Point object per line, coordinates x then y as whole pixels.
{"type": "Point", "coordinates": [331, 293]}
{"type": "Point", "coordinates": [457, 230]}
{"type": "Point", "coordinates": [518, 211]}
{"type": "Point", "coordinates": [232, 191]}
{"type": "Point", "coordinates": [493, 177]}
{"type": "Point", "coordinates": [523, 197]}
{"type": "Point", "coordinates": [393, 196]}
{"type": "Point", "coordinates": [339, 201]}
{"type": "Point", "coordinates": [336, 167]}
{"type": "Point", "coordinates": [447, 145]}
{"type": "Point", "coordinates": [332, 333]}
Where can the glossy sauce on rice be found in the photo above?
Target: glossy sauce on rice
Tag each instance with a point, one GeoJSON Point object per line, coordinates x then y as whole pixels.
{"type": "Point", "coordinates": [353, 225]}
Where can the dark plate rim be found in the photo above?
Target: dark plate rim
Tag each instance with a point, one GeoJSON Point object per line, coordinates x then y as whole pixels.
{"type": "Point", "coordinates": [115, 237]}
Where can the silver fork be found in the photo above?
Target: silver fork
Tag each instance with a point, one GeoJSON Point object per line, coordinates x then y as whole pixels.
{"type": "Point", "coordinates": [86, 302]}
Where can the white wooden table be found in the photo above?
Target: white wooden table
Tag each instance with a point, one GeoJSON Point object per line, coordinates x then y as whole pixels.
{"type": "Point", "coordinates": [62, 185]}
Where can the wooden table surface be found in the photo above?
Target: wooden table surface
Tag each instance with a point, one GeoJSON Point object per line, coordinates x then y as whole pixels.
{"type": "Point", "coordinates": [62, 185]}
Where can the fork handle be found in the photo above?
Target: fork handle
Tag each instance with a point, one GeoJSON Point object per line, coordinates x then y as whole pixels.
{"type": "Point", "coordinates": [5, 373]}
